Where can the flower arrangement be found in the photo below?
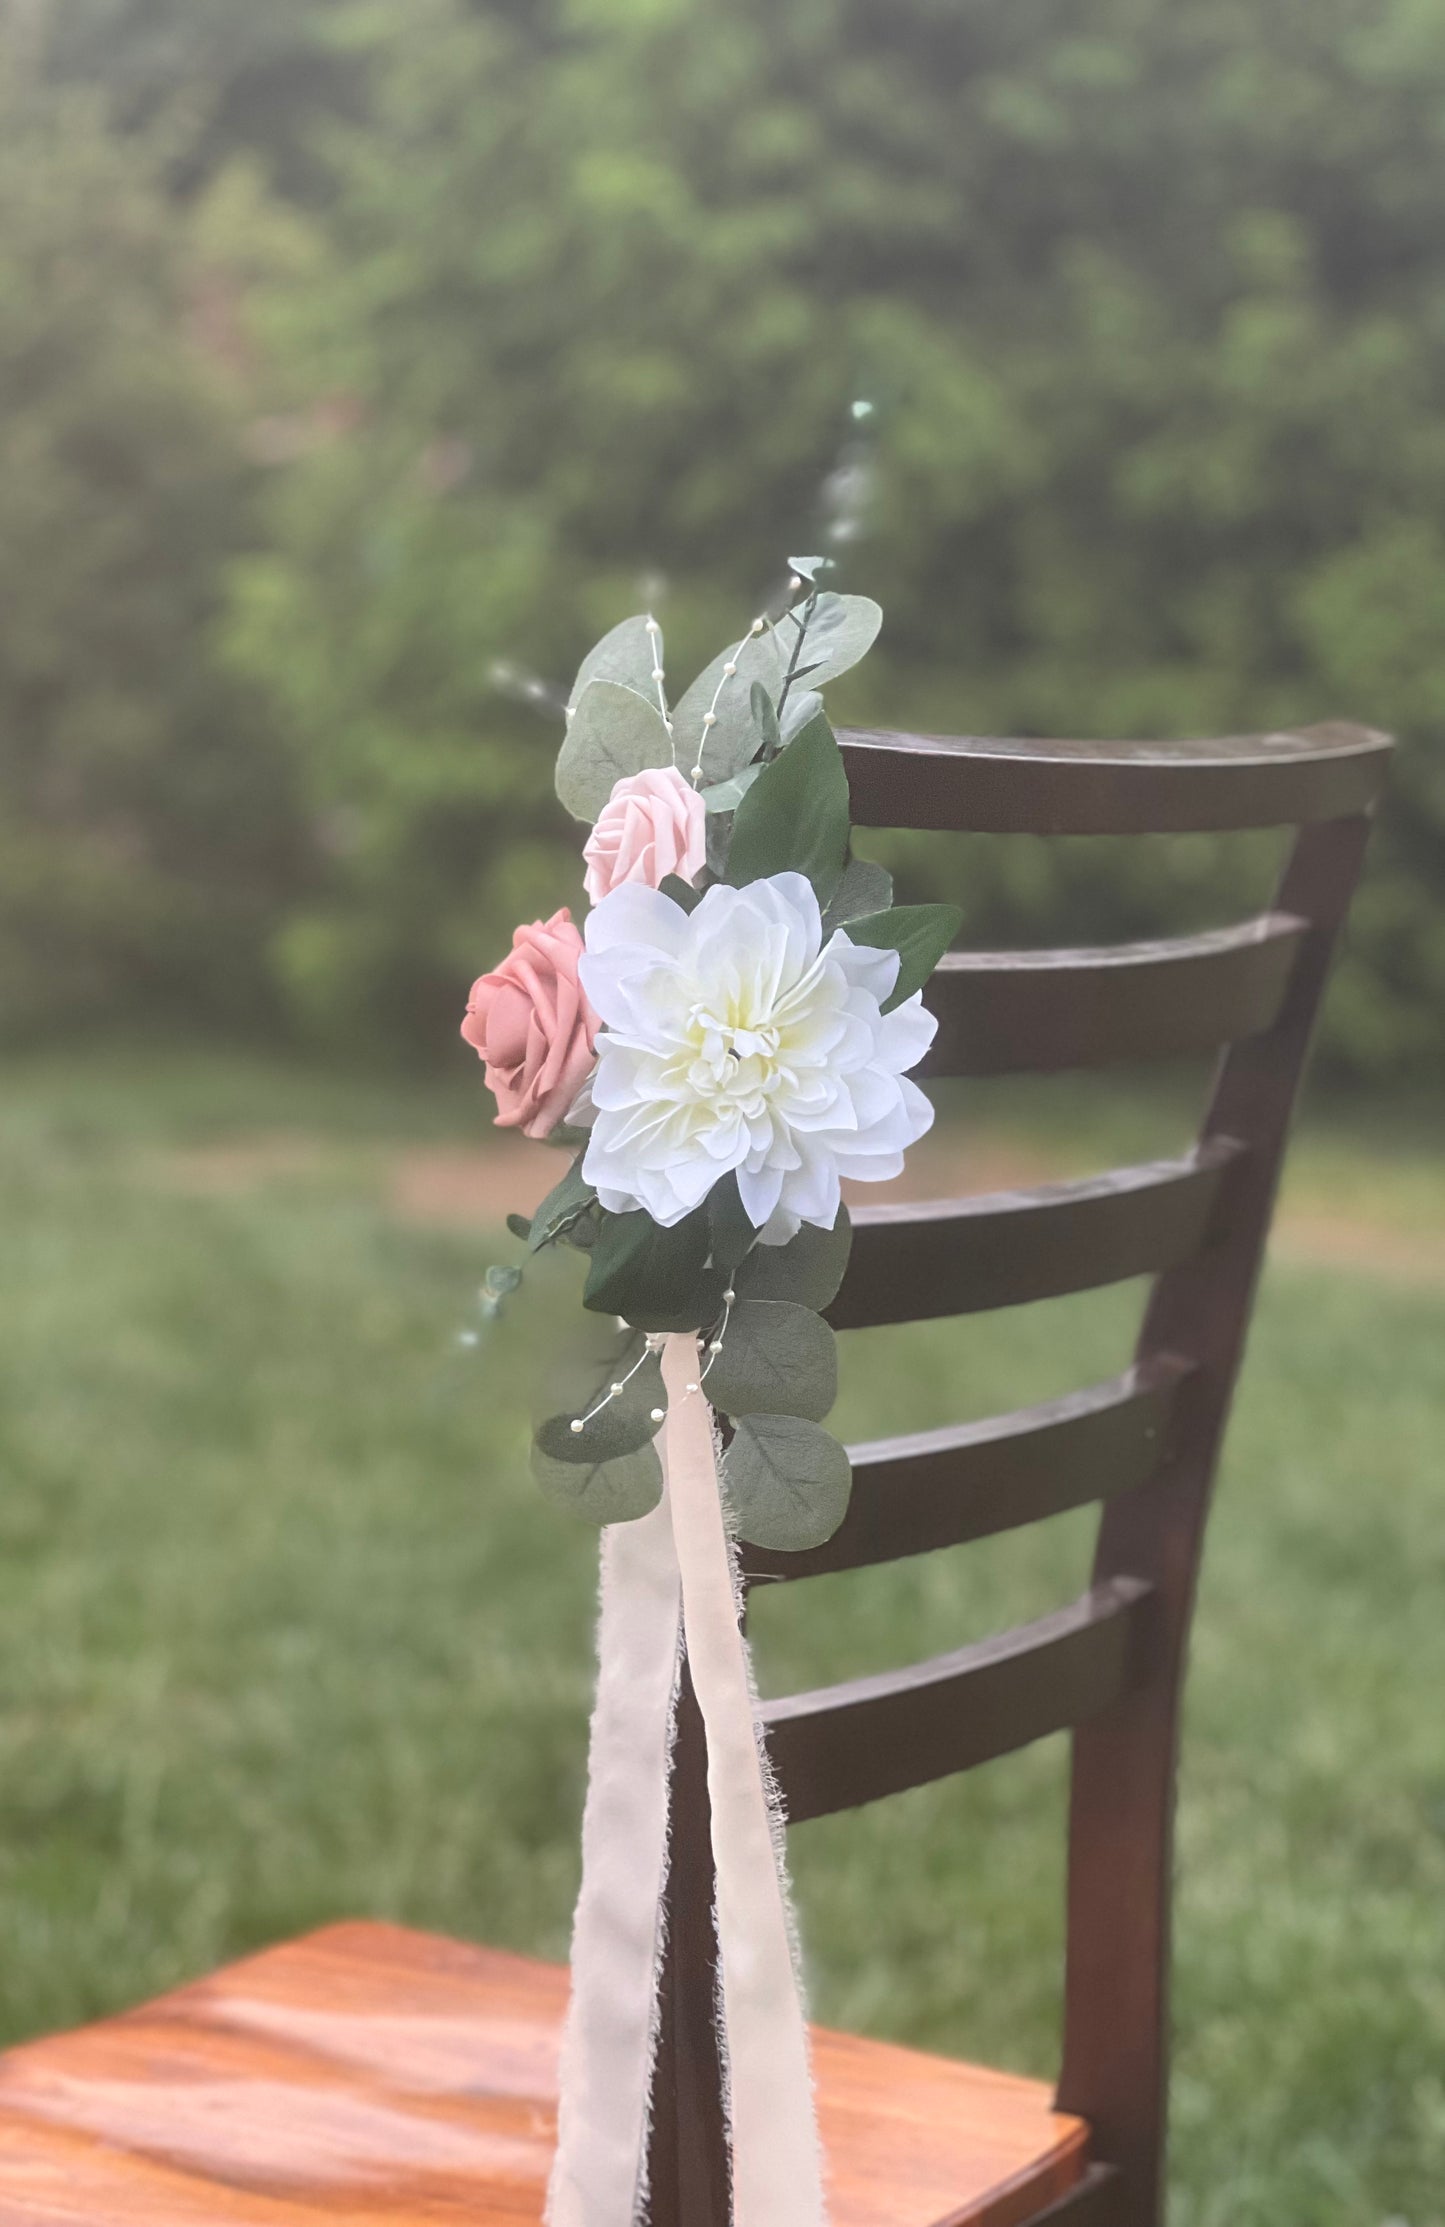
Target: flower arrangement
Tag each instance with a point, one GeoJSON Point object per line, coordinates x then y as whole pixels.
{"type": "Point", "coordinates": [726, 1037]}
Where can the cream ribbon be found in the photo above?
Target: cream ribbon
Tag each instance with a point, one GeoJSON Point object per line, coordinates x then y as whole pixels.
{"type": "Point", "coordinates": [599, 2175]}
{"type": "Point", "coordinates": [609, 2038]}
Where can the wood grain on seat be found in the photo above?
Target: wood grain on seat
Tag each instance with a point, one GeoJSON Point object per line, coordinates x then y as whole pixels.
{"type": "Point", "coordinates": [395, 2079]}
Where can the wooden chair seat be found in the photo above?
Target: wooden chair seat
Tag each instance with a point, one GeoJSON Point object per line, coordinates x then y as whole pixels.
{"type": "Point", "coordinates": [392, 2078]}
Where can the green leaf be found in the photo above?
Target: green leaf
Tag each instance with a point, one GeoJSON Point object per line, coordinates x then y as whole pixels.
{"type": "Point", "coordinates": [627, 654]}
{"type": "Point", "coordinates": [787, 1482]}
{"type": "Point", "coordinates": [800, 710]}
{"type": "Point", "coordinates": [775, 1359]}
{"type": "Point", "coordinates": [726, 796]}
{"type": "Point", "coordinates": [864, 889]}
{"type": "Point", "coordinates": [617, 1491]}
{"type": "Point", "coordinates": [520, 1225]}
{"type": "Point", "coordinates": [765, 719]}
{"type": "Point", "coordinates": [794, 818]}
{"type": "Point", "coordinates": [654, 1278]}
{"type": "Point", "coordinates": [718, 838]}
{"type": "Point", "coordinates": [562, 1205]}
{"type": "Point", "coordinates": [808, 568]}
{"type": "Point", "coordinates": [681, 892]}
{"type": "Point", "coordinates": [920, 934]}
{"type": "Point", "coordinates": [808, 1269]}
{"type": "Point", "coordinates": [614, 731]}
{"type": "Point", "coordinates": [623, 1424]}
{"type": "Point", "coordinates": [843, 629]}
{"type": "Point", "coordinates": [725, 748]}
{"type": "Point", "coordinates": [733, 1235]}
{"type": "Point", "coordinates": [500, 1281]}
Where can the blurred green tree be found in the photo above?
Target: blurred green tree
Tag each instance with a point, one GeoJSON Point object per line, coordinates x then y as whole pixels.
{"type": "Point", "coordinates": [226, 80]}
{"type": "Point", "coordinates": [1151, 308]}
{"type": "Point", "coordinates": [147, 829]}
{"type": "Point", "coordinates": [1154, 317]}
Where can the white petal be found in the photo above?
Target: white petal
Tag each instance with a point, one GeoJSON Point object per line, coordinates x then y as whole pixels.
{"type": "Point", "coordinates": [634, 914]}
{"type": "Point", "coordinates": [868, 969]}
{"type": "Point", "coordinates": [759, 1191]}
{"type": "Point", "coordinates": [905, 1034]}
{"type": "Point", "coordinates": [812, 1193]}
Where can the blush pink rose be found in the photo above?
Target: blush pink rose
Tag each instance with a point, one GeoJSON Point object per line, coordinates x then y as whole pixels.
{"type": "Point", "coordinates": [653, 824]}
{"type": "Point", "coordinates": [529, 1019]}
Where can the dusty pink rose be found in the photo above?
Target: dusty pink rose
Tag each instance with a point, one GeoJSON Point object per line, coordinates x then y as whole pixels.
{"type": "Point", "coordinates": [653, 824]}
{"type": "Point", "coordinates": [529, 1019]}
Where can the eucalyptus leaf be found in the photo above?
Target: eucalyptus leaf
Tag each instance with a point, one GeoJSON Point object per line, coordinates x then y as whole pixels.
{"type": "Point", "coordinates": [500, 1281]}
{"type": "Point", "coordinates": [628, 654]}
{"type": "Point", "coordinates": [787, 1482]}
{"type": "Point", "coordinates": [808, 568]}
{"type": "Point", "coordinates": [864, 889]}
{"type": "Point", "coordinates": [626, 1421]}
{"type": "Point", "coordinates": [843, 629]}
{"type": "Point", "coordinates": [920, 934]}
{"type": "Point", "coordinates": [617, 1491]}
{"type": "Point", "coordinates": [776, 1358]}
{"type": "Point", "coordinates": [800, 710]}
{"type": "Point", "coordinates": [726, 796]}
{"type": "Point", "coordinates": [726, 747]}
{"type": "Point", "coordinates": [794, 818]}
{"type": "Point", "coordinates": [566, 1200]}
{"type": "Point", "coordinates": [808, 1269]}
{"type": "Point", "coordinates": [614, 731]}
{"type": "Point", "coordinates": [654, 1278]}
{"type": "Point", "coordinates": [520, 1225]}
{"type": "Point", "coordinates": [765, 718]}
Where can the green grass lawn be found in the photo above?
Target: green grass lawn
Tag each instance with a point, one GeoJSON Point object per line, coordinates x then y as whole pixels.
{"type": "Point", "coordinates": [286, 1632]}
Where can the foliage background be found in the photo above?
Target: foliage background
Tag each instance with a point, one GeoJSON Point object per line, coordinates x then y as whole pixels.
{"type": "Point", "coordinates": [349, 347]}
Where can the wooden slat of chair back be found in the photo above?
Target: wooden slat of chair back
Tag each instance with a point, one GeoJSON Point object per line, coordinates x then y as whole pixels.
{"type": "Point", "coordinates": [1006, 1249]}
{"type": "Point", "coordinates": [1015, 1012]}
{"type": "Point", "coordinates": [1144, 1445]}
{"type": "Point", "coordinates": [940, 1488]}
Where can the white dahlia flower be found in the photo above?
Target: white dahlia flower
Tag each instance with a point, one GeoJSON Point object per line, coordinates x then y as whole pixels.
{"type": "Point", "coordinates": [734, 1039]}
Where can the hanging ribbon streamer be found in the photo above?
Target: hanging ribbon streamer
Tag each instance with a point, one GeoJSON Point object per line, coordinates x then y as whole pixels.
{"type": "Point", "coordinates": [610, 2035]}
{"type": "Point", "coordinates": [680, 1553]}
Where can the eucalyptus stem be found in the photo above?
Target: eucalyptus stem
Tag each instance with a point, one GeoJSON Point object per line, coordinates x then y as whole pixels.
{"type": "Point", "coordinates": [802, 625]}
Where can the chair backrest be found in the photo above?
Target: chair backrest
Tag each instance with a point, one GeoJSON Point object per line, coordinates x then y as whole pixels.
{"type": "Point", "coordinates": [1143, 1445]}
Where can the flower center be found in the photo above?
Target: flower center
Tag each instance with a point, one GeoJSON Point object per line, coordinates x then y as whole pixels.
{"type": "Point", "coordinates": [732, 1056]}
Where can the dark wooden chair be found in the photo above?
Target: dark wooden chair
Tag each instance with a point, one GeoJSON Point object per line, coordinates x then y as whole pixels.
{"type": "Point", "coordinates": [378, 2076]}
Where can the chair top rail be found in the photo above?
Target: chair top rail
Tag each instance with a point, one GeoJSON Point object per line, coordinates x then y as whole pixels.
{"type": "Point", "coordinates": [1009, 1248]}
{"type": "Point", "coordinates": [848, 1744]}
{"type": "Point", "coordinates": [940, 1488]}
{"type": "Point", "coordinates": [999, 786]}
{"type": "Point", "coordinates": [1011, 1012]}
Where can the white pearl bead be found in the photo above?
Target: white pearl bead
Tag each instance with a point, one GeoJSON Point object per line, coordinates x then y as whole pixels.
{"type": "Point", "coordinates": [658, 1414]}
{"type": "Point", "coordinates": [709, 718]}
{"type": "Point", "coordinates": [729, 669]}
{"type": "Point", "coordinates": [575, 1428]}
